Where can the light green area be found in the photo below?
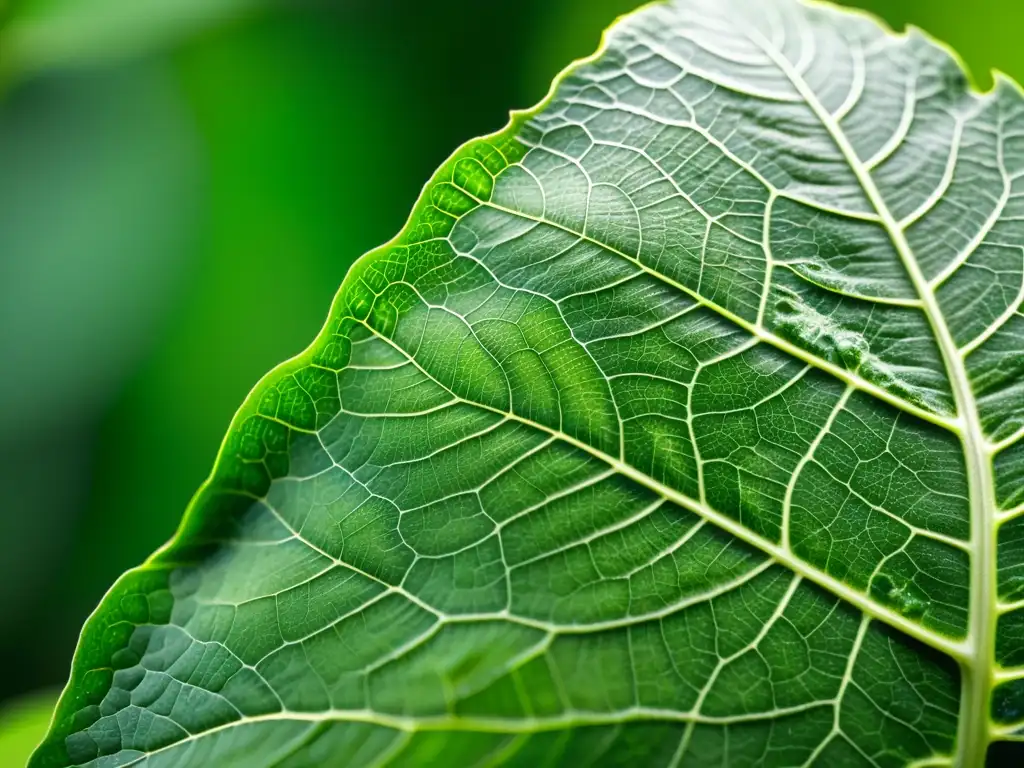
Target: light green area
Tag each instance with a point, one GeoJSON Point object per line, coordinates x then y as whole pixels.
{"type": "Point", "coordinates": [83, 294]}
{"type": "Point", "coordinates": [680, 425]}
{"type": "Point", "coordinates": [93, 283]}
{"type": "Point", "coordinates": [46, 34]}
{"type": "Point", "coordinates": [23, 724]}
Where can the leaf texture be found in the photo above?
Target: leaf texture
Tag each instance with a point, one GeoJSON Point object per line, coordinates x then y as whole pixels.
{"type": "Point", "coordinates": [681, 425]}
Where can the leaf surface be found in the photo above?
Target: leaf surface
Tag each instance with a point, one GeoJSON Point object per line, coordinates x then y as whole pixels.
{"type": "Point", "coordinates": [681, 425]}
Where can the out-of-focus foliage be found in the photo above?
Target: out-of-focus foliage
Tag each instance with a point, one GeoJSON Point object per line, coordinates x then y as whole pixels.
{"type": "Point", "coordinates": [92, 270]}
{"type": "Point", "coordinates": [22, 724]}
{"type": "Point", "coordinates": [197, 184]}
{"type": "Point", "coordinates": [47, 34]}
{"type": "Point", "coordinates": [100, 198]}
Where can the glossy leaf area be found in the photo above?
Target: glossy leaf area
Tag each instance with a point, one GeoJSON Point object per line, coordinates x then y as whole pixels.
{"type": "Point", "coordinates": [681, 425]}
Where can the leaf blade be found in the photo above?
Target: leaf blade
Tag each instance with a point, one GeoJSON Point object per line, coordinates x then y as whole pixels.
{"type": "Point", "coordinates": [634, 439]}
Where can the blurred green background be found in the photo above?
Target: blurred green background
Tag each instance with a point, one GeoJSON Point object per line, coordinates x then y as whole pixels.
{"type": "Point", "coordinates": [183, 184]}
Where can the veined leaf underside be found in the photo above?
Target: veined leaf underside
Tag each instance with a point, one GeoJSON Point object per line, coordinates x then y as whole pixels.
{"type": "Point", "coordinates": [681, 425]}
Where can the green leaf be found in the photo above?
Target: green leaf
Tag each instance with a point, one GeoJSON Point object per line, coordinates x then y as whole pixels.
{"type": "Point", "coordinates": [681, 424]}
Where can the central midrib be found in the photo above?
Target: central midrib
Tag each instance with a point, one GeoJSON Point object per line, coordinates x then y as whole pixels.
{"type": "Point", "coordinates": [976, 667]}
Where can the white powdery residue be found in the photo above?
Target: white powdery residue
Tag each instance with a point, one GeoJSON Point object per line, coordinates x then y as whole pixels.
{"type": "Point", "coordinates": [822, 335]}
